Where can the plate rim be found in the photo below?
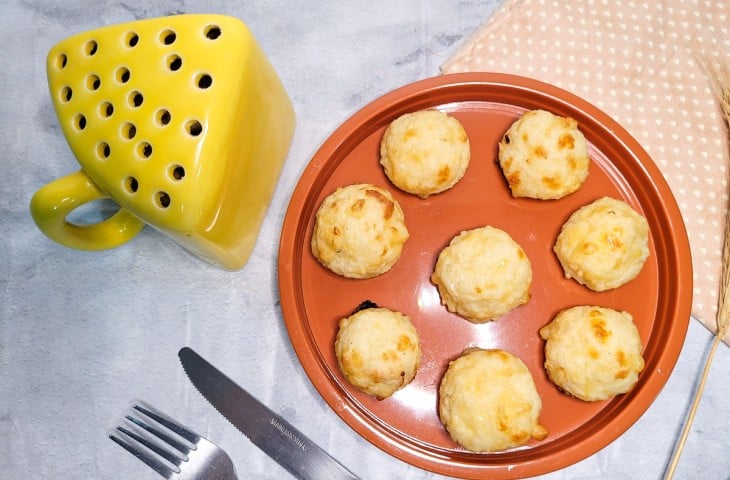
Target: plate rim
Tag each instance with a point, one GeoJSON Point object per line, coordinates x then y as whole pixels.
{"type": "Point", "coordinates": [344, 405]}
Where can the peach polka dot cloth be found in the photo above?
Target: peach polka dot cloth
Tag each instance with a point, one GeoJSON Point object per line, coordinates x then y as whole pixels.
{"type": "Point", "coordinates": [635, 61]}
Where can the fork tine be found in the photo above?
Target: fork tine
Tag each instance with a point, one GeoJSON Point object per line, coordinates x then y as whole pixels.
{"type": "Point", "coordinates": [173, 442]}
{"type": "Point", "coordinates": [150, 460]}
{"type": "Point", "coordinates": [169, 448]}
{"type": "Point", "coordinates": [166, 454]}
{"type": "Point", "coordinates": [159, 417]}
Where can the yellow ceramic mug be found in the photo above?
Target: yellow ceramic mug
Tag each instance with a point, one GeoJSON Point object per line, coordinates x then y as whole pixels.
{"type": "Point", "coordinates": [182, 121]}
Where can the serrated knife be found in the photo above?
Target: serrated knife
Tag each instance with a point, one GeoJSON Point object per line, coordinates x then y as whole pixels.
{"type": "Point", "coordinates": [271, 433]}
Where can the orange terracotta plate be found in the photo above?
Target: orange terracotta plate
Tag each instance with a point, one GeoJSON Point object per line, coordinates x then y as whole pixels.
{"type": "Point", "coordinates": [407, 425]}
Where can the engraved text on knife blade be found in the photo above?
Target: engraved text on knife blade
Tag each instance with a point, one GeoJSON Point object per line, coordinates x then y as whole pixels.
{"type": "Point", "coordinates": [289, 434]}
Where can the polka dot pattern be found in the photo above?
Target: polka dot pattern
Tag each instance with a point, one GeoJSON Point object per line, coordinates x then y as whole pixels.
{"type": "Point", "coordinates": [635, 61]}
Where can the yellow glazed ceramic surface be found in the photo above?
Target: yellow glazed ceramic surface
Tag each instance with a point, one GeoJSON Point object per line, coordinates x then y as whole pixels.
{"type": "Point", "coordinates": [181, 120]}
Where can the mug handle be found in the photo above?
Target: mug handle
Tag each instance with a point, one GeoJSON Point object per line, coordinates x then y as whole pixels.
{"type": "Point", "coordinates": [53, 202]}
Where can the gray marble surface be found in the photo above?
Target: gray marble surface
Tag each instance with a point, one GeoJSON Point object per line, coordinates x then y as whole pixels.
{"type": "Point", "coordinates": [83, 333]}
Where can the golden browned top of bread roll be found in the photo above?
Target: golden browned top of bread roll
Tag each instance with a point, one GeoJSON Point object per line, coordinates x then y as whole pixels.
{"type": "Point", "coordinates": [359, 231]}
{"type": "Point", "coordinates": [604, 244]}
{"type": "Point", "coordinates": [378, 350]}
{"type": "Point", "coordinates": [482, 274]}
{"type": "Point", "coordinates": [425, 152]}
{"type": "Point", "coordinates": [544, 156]}
{"type": "Point", "coordinates": [592, 353]}
{"type": "Point", "coordinates": [488, 401]}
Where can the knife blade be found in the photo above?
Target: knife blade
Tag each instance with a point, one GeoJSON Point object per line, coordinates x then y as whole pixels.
{"type": "Point", "coordinates": [289, 447]}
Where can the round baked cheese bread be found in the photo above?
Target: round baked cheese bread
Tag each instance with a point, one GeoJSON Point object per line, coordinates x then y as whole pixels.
{"type": "Point", "coordinates": [359, 231]}
{"type": "Point", "coordinates": [425, 152]}
{"type": "Point", "coordinates": [604, 244]}
{"type": "Point", "coordinates": [544, 156]}
{"type": "Point", "coordinates": [592, 353]}
{"type": "Point", "coordinates": [482, 274]}
{"type": "Point", "coordinates": [488, 401]}
{"type": "Point", "coordinates": [378, 350]}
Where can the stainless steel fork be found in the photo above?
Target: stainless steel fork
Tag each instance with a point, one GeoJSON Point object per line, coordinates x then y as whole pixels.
{"type": "Point", "coordinates": [170, 449]}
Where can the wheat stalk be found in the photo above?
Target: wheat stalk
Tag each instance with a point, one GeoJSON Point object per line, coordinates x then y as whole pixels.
{"type": "Point", "coordinates": [718, 72]}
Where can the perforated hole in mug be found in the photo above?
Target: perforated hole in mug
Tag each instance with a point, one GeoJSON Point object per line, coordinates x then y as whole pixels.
{"type": "Point", "coordinates": [212, 32]}
{"type": "Point", "coordinates": [136, 99]}
{"type": "Point", "coordinates": [93, 82]}
{"type": "Point", "coordinates": [177, 172]}
{"type": "Point", "coordinates": [131, 184]}
{"type": "Point", "coordinates": [80, 122]}
{"type": "Point", "coordinates": [163, 117]}
{"type": "Point", "coordinates": [66, 94]}
{"type": "Point", "coordinates": [162, 199]}
{"type": "Point", "coordinates": [204, 81]}
{"type": "Point", "coordinates": [61, 61]}
{"type": "Point", "coordinates": [129, 131]}
{"type": "Point", "coordinates": [174, 62]}
{"type": "Point", "coordinates": [194, 128]}
{"type": "Point", "coordinates": [91, 47]}
{"type": "Point", "coordinates": [106, 109]}
{"type": "Point", "coordinates": [103, 150]}
{"type": "Point", "coordinates": [122, 75]}
{"type": "Point", "coordinates": [168, 37]}
{"type": "Point", "coordinates": [144, 150]}
{"type": "Point", "coordinates": [131, 39]}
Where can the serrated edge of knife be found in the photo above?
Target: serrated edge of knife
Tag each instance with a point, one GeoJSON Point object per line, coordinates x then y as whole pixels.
{"type": "Point", "coordinates": [202, 394]}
